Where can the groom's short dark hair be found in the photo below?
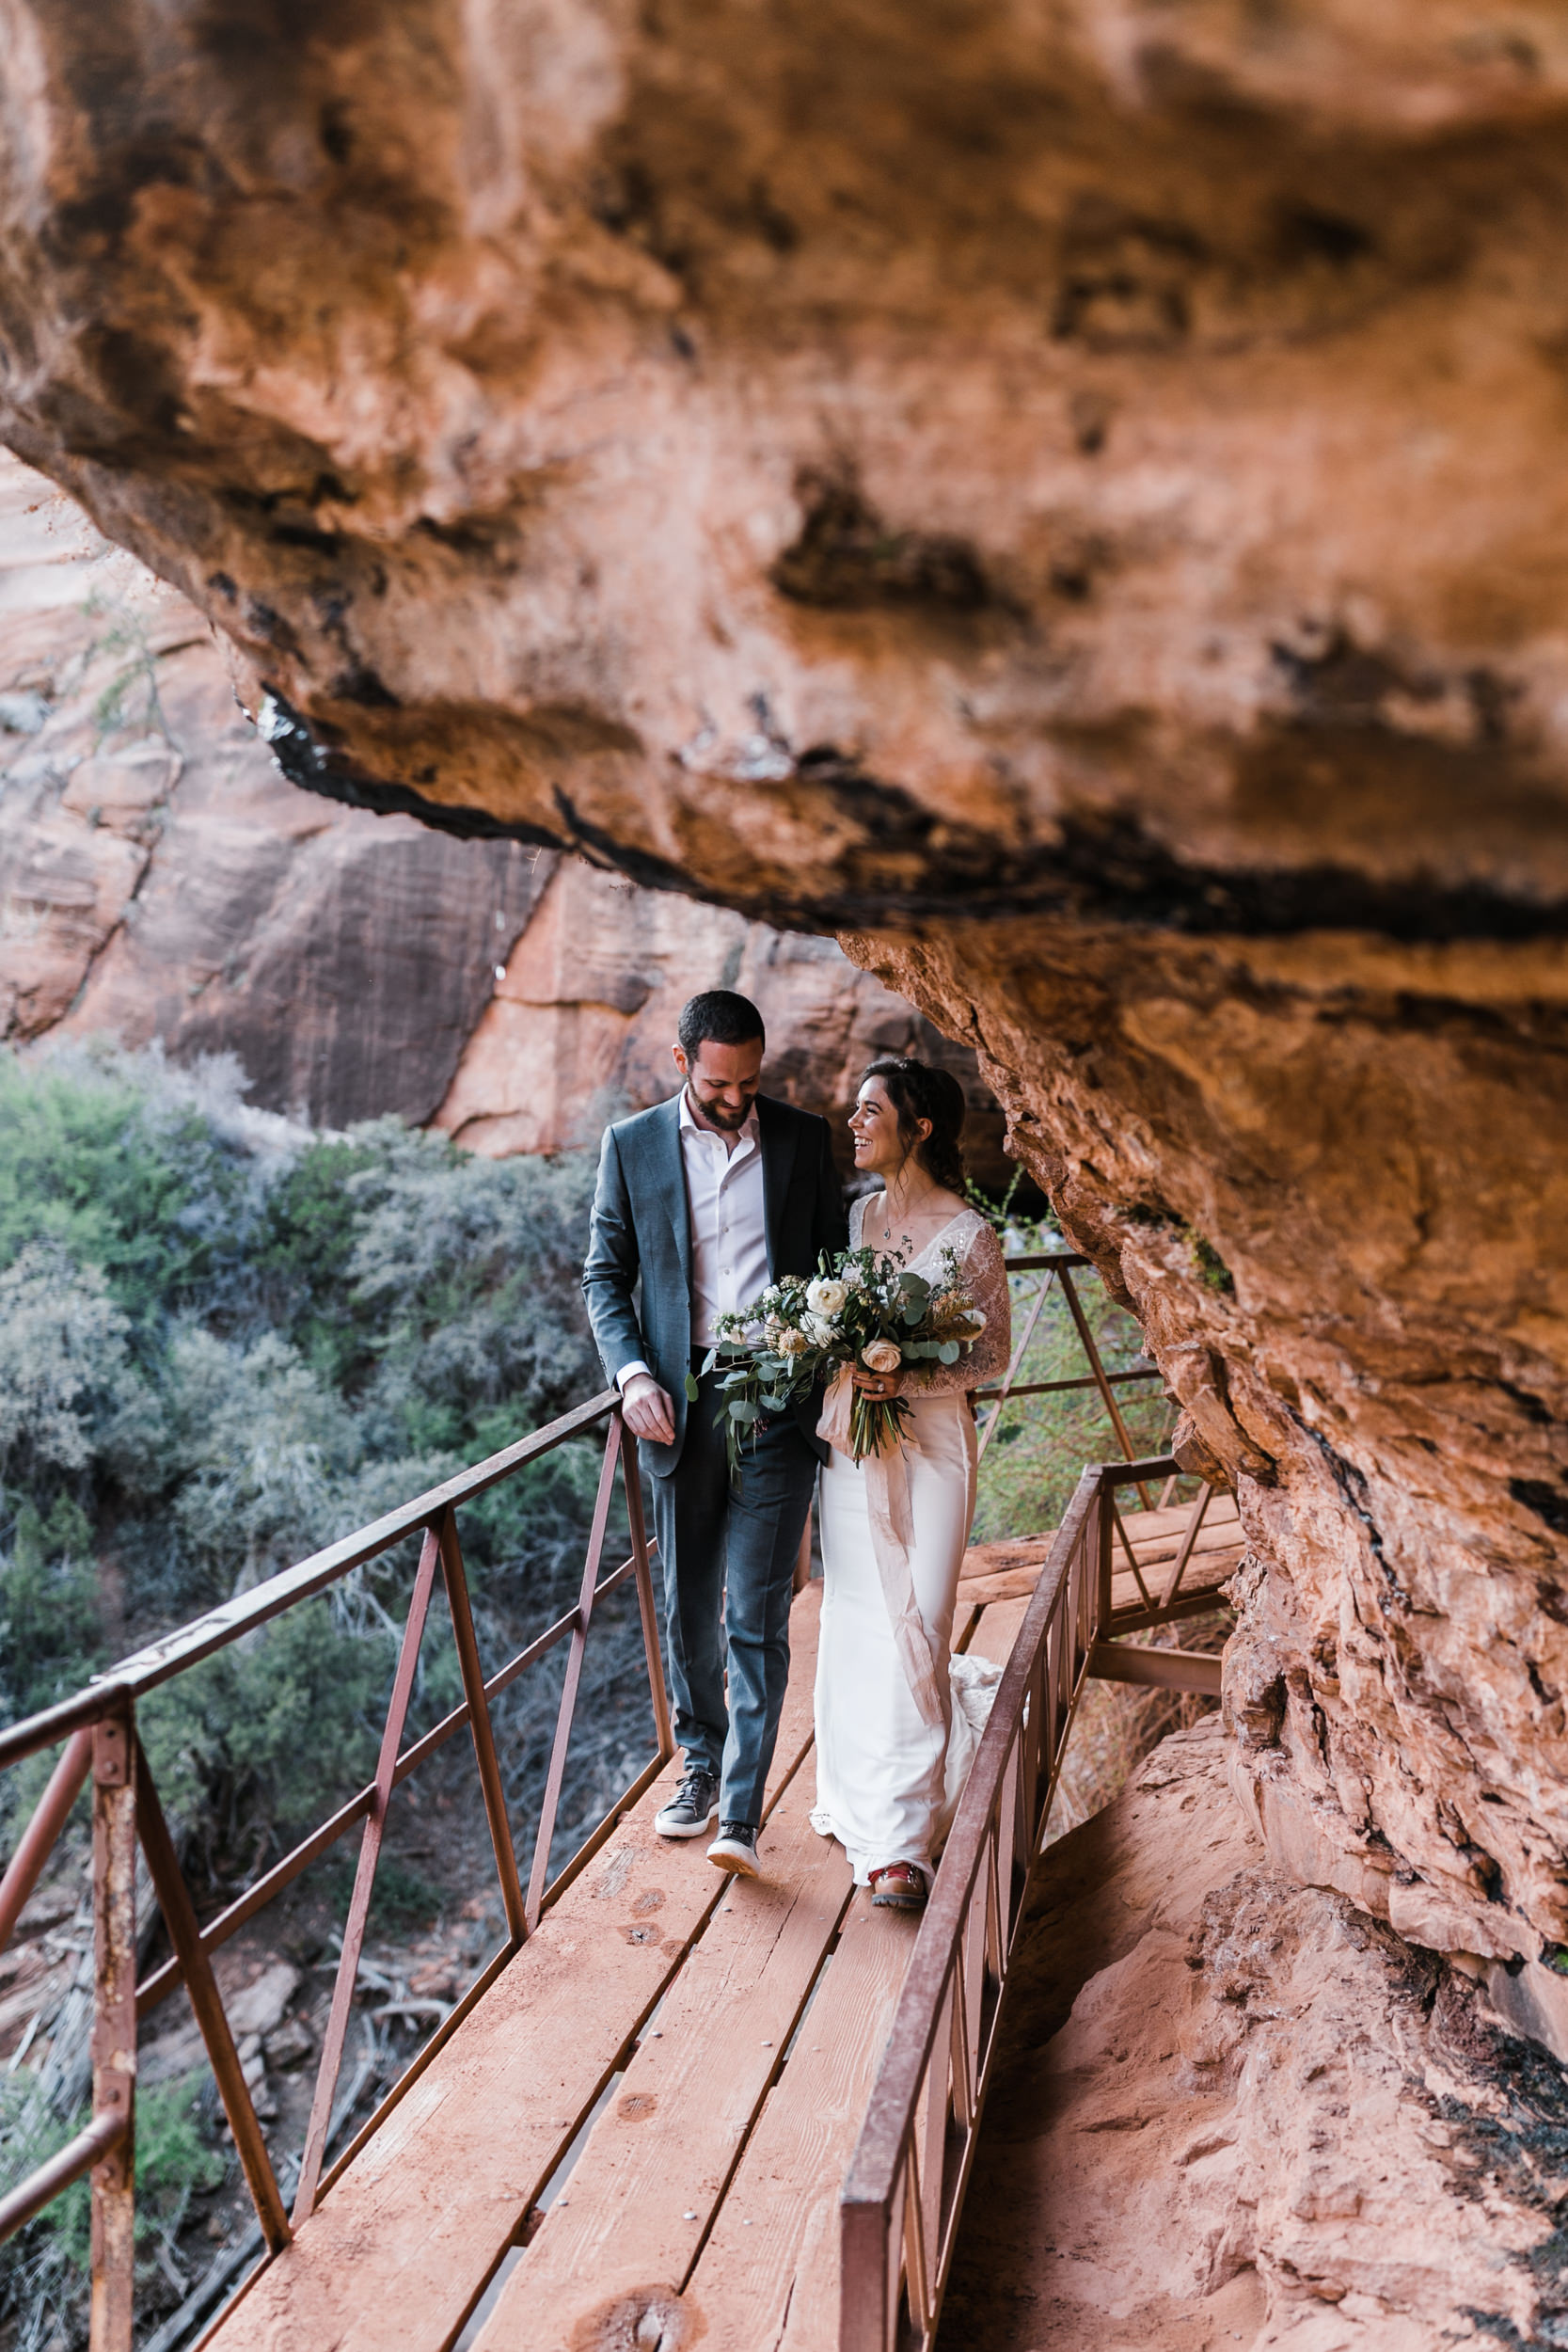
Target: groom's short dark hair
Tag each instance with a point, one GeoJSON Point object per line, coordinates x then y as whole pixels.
{"type": "Point", "coordinates": [718, 1013]}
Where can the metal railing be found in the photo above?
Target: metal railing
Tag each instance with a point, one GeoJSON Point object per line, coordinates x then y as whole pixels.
{"type": "Point", "coordinates": [1055, 1265]}
{"type": "Point", "coordinates": [98, 1728]}
{"type": "Point", "coordinates": [902, 2196]}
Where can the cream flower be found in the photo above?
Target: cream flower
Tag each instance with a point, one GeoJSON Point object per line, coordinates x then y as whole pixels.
{"type": "Point", "coordinates": [881, 1355]}
{"type": "Point", "coordinates": [793, 1342]}
{"type": "Point", "coordinates": [827, 1298]}
{"type": "Point", "coordinates": [820, 1329]}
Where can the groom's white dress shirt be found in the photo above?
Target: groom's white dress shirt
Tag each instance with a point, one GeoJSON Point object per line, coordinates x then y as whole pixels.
{"type": "Point", "coordinates": [729, 1226]}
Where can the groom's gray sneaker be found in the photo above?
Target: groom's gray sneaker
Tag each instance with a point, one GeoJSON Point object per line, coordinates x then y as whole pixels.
{"type": "Point", "coordinates": [693, 1808]}
{"type": "Point", "coordinates": [735, 1849]}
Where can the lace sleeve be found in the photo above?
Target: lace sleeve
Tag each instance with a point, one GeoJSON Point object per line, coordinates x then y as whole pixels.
{"type": "Point", "coordinates": [985, 1277]}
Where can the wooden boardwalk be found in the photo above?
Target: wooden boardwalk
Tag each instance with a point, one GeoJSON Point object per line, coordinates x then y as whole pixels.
{"type": "Point", "coordinates": [718, 2038]}
{"type": "Point", "coordinates": [674, 2104]}
{"type": "Point", "coordinates": [1141, 1594]}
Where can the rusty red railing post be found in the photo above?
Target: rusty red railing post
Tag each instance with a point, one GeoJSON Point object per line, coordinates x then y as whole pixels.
{"type": "Point", "coordinates": [1102, 1527]}
{"type": "Point", "coordinates": [631, 1478]}
{"type": "Point", "coordinates": [36, 1843]}
{"type": "Point", "coordinates": [550, 1804]}
{"type": "Point", "coordinates": [1108, 1394]}
{"type": "Point", "coordinates": [364, 1881]}
{"type": "Point", "coordinates": [114, 2026]}
{"type": "Point", "coordinates": [184, 1935]}
{"type": "Point", "coordinates": [480, 1725]}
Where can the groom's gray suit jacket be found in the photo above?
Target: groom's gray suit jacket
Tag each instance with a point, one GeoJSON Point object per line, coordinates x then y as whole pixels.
{"type": "Point", "coordinates": [642, 1230]}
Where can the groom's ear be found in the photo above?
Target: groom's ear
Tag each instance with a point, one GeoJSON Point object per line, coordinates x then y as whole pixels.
{"type": "Point", "coordinates": [682, 1060]}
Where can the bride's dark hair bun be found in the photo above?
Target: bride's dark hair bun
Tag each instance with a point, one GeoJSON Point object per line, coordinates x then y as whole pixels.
{"type": "Point", "coordinates": [917, 1091]}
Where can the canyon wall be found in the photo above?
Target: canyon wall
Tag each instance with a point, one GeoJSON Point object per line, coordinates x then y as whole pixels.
{"type": "Point", "coordinates": [1068, 493]}
{"type": "Point", "coordinates": [159, 882]}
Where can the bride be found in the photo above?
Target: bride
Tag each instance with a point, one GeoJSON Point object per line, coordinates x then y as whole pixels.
{"type": "Point", "coordinates": [895, 1528]}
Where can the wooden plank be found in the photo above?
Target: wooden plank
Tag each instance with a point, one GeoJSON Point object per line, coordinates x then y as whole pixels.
{"type": "Point", "coordinates": [397, 2254]}
{"type": "Point", "coordinates": [1213, 1560]}
{"type": "Point", "coordinates": [1202, 1601]}
{"type": "Point", "coordinates": [1151, 1526]}
{"type": "Point", "coordinates": [1151, 1534]}
{"type": "Point", "coordinates": [997, 1630]}
{"type": "Point", "coordinates": [1157, 1669]}
{"type": "Point", "coordinates": [620, 2242]}
{"type": "Point", "coordinates": [768, 2273]}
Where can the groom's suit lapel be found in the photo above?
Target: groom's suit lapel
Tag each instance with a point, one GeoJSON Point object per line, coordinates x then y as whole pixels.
{"type": "Point", "coordinates": [778, 1134]}
{"type": "Point", "coordinates": [668, 1171]}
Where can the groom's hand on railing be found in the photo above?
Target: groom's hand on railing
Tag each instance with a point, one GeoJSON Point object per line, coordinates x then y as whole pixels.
{"type": "Point", "coordinates": [650, 1410]}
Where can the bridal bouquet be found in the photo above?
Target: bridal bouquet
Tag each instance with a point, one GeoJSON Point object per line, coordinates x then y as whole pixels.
{"type": "Point", "coordinates": [859, 1309]}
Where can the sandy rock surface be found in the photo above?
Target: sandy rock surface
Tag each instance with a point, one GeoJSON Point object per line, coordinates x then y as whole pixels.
{"type": "Point", "coordinates": [160, 879]}
{"type": "Point", "coordinates": [1230, 2109]}
{"type": "Point", "coordinates": [1102, 452]}
{"type": "Point", "coordinates": [580, 1026]}
{"type": "Point", "coordinates": [1332, 1175]}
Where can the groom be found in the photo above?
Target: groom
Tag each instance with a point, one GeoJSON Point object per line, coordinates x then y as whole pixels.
{"type": "Point", "coordinates": [708, 1197]}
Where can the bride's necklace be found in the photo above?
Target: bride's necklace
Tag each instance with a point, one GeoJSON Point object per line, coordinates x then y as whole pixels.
{"type": "Point", "coordinates": [889, 1222]}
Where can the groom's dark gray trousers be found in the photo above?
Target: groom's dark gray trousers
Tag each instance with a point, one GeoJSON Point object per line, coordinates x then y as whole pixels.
{"type": "Point", "coordinates": [638, 1284]}
{"type": "Point", "coordinates": [733, 1541]}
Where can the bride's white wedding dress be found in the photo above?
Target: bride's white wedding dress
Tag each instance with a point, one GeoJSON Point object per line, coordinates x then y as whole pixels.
{"type": "Point", "coordinates": [885, 1706]}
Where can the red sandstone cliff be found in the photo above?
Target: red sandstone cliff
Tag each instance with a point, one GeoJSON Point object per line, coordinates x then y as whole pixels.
{"type": "Point", "coordinates": [160, 881]}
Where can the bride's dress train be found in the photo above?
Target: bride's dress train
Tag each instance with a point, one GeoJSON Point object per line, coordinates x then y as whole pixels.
{"type": "Point", "coordinates": [891, 1751]}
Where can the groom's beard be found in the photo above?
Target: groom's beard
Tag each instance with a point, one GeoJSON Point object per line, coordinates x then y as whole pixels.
{"type": "Point", "coordinates": [721, 1115]}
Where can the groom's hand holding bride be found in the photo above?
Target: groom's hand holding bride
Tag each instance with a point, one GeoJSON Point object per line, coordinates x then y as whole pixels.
{"type": "Point", "coordinates": [650, 1410]}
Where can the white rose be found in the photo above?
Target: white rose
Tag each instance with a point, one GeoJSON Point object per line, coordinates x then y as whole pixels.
{"type": "Point", "coordinates": [827, 1298]}
{"type": "Point", "coordinates": [792, 1343]}
{"type": "Point", "coordinates": [820, 1329]}
{"type": "Point", "coordinates": [881, 1355]}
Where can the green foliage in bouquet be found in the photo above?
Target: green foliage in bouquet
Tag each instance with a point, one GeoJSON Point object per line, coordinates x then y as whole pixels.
{"type": "Point", "coordinates": [861, 1307]}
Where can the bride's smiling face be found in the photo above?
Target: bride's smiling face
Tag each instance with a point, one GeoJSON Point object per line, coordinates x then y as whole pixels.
{"type": "Point", "coordinates": [879, 1149]}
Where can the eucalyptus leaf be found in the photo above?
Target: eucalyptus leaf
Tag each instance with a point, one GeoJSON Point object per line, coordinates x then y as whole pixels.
{"type": "Point", "coordinates": [691, 1388]}
{"type": "Point", "coordinates": [948, 1351]}
{"type": "Point", "coordinates": [742, 1411]}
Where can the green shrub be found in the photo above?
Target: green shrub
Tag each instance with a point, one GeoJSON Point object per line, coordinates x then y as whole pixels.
{"type": "Point", "coordinates": [121, 1165]}
{"type": "Point", "coordinates": [400, 1899]}
{"type": "Point", "coordinates": [224, 1344]}
{"type": "Point", "coordinates": [174, 2162]}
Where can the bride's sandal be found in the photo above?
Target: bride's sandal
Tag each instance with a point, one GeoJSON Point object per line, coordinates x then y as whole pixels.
{"type": "Point", "coordinates": [899, 1886]}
